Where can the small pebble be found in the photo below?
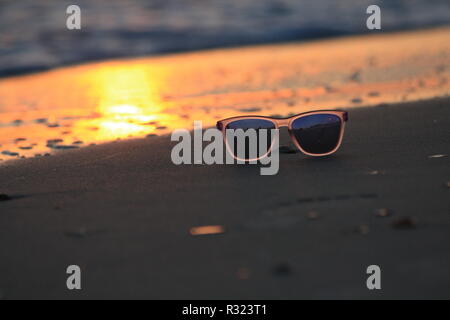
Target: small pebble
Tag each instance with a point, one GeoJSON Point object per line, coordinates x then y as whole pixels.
{"type": "Point", "coordinates": [383, 212]}
{"type": "Point", "coordinates": [53, 141]}
{"type": "Point", "coordinates": [303, 200]}
{"type": "Point", "coordinates": [437, 156]}
{"type": "Point", "coordinates": [4, 197]}
{"type": "Point", "coordinates": [206, 230]}
{"type": "Point", "coordinates": [250, 109]}
{"type": "Point", "coordinates": [440, 68]}
{"type": "Point", "coordinates": [404, 223]}
{"type": "Point", "coordinates": [362, 229]}
{"type": "Point", "coordinates": [356, 76]}
{"type": "Point", "coordinates": [243, 273]}
{"type": "Point", "coordinates": [282, 270]}
{"type": "Point", "coordinates": [9, 153]}
{"type": "Point", "coordinates": [312, 215]}
{"type": "Point", "coordinates": [79, 233]}
{"type": "Point", "coordinates": [62, 147]}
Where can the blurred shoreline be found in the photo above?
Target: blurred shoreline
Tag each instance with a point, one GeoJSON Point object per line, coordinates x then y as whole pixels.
{"type": "Point", "coordinates": [7, 71]}
{"type": "Point", "coordinates": [34, 37]}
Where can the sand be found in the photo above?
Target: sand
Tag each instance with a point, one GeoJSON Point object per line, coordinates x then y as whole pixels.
{"type": "Point", "coordinates": [124, 213]}
{"type": "Point", "coordinates": [140, 227]}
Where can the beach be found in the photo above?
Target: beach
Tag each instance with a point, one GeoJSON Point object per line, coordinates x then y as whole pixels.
{"type": "Point", "coordinates": [76, 106]}
{"type": "Point", "coordinates": [123, 213]}
{"type": "Point", "coordinates": [121, 210]}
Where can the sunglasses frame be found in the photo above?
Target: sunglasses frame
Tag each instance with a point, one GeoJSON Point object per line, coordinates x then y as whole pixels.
{"type": "Point", "coordinates": [287, 122]}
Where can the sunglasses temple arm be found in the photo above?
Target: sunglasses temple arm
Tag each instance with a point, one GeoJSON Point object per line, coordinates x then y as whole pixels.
{"type": "Point", "coordinates": [345, 116]}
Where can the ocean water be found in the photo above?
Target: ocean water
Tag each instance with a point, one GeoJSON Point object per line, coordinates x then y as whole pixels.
{"type": "Point", "coordinates": [33, 34]}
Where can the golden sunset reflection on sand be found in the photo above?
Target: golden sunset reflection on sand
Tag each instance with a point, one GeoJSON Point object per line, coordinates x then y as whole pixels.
{"type": "Point", "coordinates": [93, 103]}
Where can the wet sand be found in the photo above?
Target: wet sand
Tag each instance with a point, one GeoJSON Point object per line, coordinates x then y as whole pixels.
{"type": "Point", "coordinates": [124, 213]}
{"type": "Point", "coordinates": [100, 102]}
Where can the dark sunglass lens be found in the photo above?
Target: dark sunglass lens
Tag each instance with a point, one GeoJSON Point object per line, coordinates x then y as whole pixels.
{"type": "Point", "coordinates": [245, 143]}
{"type": "Point", "coordinates": [317, 133]}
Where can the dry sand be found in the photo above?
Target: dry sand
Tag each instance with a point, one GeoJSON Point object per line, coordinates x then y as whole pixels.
{"type": "Point", "coordinates": [123, 212]}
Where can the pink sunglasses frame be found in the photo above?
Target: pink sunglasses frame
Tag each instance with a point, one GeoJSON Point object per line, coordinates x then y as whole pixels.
{"type": "Point", "coordinates": [287, 122]}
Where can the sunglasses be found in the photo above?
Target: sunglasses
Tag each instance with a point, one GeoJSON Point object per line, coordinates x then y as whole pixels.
{"type": "Point", "coordinates": [315, 133]}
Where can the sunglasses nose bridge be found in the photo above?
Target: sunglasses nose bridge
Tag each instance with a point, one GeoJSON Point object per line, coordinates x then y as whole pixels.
{"type": "Point", "coordinates": [282, 122]}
